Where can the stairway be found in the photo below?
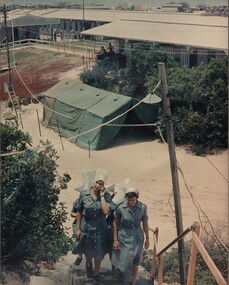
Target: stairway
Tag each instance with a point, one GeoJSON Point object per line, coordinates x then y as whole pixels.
{"type": "Point", "coordinates": [107, 276]}
{"type": "Point", "coordinates": [66, 273]}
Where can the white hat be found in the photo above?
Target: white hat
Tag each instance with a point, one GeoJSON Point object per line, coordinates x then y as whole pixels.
{"type": "Point", "coordinates": [90, 176]}
{"type": "Point", "coordinates": [101, 174]}
{"type": "Point", "coordinates": [132, 189]}
{"type": "Point", "coordinates": [121, 189]}
{"type": "Point", "coordinates": [119, 192]}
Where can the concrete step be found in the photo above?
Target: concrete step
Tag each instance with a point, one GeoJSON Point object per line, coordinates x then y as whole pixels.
{"type": "Point", "coordinates": [41, 280]}
{"type": "Point", "coordinates": [66, 273]}
{"type": "Point", "coordinates": [107, 276]}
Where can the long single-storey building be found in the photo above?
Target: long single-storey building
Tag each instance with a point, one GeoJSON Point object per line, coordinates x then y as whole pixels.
{"type": "Point", "coordinates": [191, 38]}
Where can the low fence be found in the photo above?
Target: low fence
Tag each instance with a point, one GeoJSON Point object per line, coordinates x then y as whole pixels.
{"type": "Point", "coordinates": [72, 46]}
{"type": "Point", "coordinates": [85, 49]}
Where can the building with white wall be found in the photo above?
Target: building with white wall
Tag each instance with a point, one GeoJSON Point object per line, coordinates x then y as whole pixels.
{"type": "Point", "coordinates": [191, 38]}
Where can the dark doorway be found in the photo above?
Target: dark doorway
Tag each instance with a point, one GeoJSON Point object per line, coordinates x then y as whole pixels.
{"type": "Point", "coordinates": [193, 59]}
{"type": "Point", "coordinates": [16, 34]}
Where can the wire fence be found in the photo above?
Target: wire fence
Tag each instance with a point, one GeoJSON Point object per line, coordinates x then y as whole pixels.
{"type": "Point", "coordinates": [68, 45]}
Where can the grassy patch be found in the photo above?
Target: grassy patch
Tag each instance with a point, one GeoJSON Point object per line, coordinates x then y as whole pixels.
{"type": "Point", "coordinates": [27, 57]}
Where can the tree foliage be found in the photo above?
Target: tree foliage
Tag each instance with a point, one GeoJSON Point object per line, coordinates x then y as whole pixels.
{"type": "Point", "coordinates": [32, 216]}
{"type": "Point", "coordinates": [102, 76]}
{"type": "Point", "coordinates": [198, 95]}
{"type": "Point", "coordinates": [198, 99]}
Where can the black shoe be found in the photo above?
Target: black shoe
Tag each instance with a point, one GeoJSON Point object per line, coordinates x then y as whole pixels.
{"type": "Point", "coordinates": [89, 271]}
{"type": "Point", "coordinates": [78, 261]}
{"type": "Point", "coordinates": [96, 280]}
{"type": "Point", "coordinates": [121, 276]}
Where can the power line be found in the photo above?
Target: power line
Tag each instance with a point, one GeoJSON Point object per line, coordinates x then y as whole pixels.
{"type": "Point", "coordinates": [185, 135]}
{"type": "Point", "coordinates": [37, 99]}
{"type": "Point", "coordinates": [99, 126]}
{"type": "Point", "coordinates": [217, 169]}
{"type": "Point", "coordinates": [132, 125]}
{"type": "Point", "coordinates": [196, 204]}
{"type": "Point", "coordinates": [95, 128]}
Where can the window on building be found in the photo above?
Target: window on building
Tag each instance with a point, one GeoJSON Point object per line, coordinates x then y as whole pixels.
{"type": "Point", "coordinates": [211, 54]}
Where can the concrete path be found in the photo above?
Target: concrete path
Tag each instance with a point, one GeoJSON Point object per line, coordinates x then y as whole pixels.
{"type": "Point", "coordinates": [40, 280]}
{"type": "Point", "coordinates": [66, 273]}
{"type": "Point", "coordinates": [107, 276]}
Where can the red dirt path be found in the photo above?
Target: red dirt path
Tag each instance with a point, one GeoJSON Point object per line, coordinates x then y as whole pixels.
{"type": "Point", "coordinates": [38, 78]}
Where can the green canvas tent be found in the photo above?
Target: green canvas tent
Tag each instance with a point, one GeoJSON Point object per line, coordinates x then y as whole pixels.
{"type": "Point", "coordinates": [78, 110]}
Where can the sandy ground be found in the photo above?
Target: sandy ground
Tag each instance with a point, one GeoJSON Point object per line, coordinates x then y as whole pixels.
{"type": "Point", "coordinates": [146, 163]}
{"type": "Point", "coordinates": [203, 181]}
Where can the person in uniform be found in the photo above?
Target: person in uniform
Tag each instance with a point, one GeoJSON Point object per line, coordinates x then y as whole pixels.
{"type": "Point", "coordinates": [74, 215]}
{"type": "Point", "coordinates": [102, 50]}
{"type": "Point", "coordinates": [92, 229]}
{"type": "Point", "coordinates": [110, 48]}
{"type": "Point", "coordinates": [130, 225]}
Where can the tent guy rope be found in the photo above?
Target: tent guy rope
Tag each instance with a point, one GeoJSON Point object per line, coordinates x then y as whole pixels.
{"type": "Point", "coordinates": [86, 132]}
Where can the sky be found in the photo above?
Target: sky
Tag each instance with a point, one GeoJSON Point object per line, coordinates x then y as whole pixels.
{"type": "Point", "coordinates": [116, 2]}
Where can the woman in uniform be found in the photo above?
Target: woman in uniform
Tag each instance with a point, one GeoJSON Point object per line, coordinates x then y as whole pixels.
{"type": "Point", "coordinates": [74, 215]}
{"type": "Point", "coordinates": [92, 229]}
{"type": "Point", "coordinates": [130, 225]}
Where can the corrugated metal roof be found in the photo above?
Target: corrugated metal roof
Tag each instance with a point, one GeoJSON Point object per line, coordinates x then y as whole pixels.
{"type": "Point", "coordinates": [178, 29]}
{"type": "Point", "coordinates": [177, 34]}
{"type": "Point", "coordinates": [30, 20]}
{"type": "Point", "coordinates": [111, 16]}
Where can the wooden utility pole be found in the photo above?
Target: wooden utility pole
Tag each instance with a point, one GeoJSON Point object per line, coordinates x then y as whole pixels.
{"type": "Point", "coordinates": [173, 166]}
{"type": "Point", "coordinates": [83, 16]}
{"type": "Point", "coordinates": [7, 47]}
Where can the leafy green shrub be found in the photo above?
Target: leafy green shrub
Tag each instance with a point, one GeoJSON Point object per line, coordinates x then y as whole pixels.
{"type": "Point", "coordinates": [198, 95]}
{"type": "Point", "coordinates": [101, 76]}
{"type": "Point", "coordinates": [31, 215]}
{"type": "Point", "coordinates": [199, 105]}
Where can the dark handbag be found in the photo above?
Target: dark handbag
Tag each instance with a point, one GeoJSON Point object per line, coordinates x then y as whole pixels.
{"type": "Point", "coordinates": [79, 245]}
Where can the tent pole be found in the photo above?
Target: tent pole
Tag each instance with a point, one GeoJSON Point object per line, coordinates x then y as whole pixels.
{"type": "Point", "coordinates": [89, 149]}
{"type": "Point", "coordinates": [60, 135]}
{"type": "Point", "coordinates": [38, 123]}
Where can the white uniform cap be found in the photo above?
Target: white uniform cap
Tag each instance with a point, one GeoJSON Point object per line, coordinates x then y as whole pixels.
{"type": "Point", "coordinates": [90, 176]}
{"type": "Point", "coordinates": [132, 189]}
{"type": "Point", "coordinates": [120, 193]}
{"type": "Point", "coordinates": [101, 174]}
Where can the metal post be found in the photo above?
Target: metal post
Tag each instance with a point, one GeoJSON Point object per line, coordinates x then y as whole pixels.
{"type": "Point", "coordinates": [173, 166]}
{"type": "Point", "coordinates": [60, 135]}
{"type": "Point", "coordinates": [94, 44]}
{"type": "Point", "coordinates": [89, 58]}
{"type": "Point", "coordinates": [38, 123]}
{"type": "Point", "coordinates": [89, 148]}
{"type": "Point", "coordinates": [21, 121]}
